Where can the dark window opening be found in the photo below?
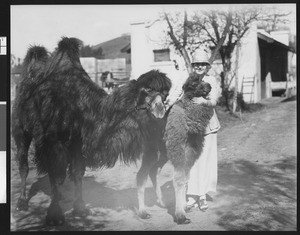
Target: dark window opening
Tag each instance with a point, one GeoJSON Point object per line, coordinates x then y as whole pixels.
{"type": "Point", "coordinates": [161, 55]}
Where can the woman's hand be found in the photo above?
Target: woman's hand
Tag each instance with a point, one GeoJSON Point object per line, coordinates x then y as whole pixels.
{"type": "Point", "coordinates": [199, 100]}
{"type": "Point", "coordinates": [167, 104]}
{"type": "Point", "coordinates": [167, 107]}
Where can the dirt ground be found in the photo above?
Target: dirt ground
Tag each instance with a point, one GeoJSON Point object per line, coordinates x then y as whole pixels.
{"type": "Point", "coordinates": [256, 184]}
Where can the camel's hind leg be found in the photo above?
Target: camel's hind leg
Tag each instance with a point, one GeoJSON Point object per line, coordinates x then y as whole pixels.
{"type": "Point", "coordinates": [23, 144]}
{"type": "Point", "coordinates": [148, 160]}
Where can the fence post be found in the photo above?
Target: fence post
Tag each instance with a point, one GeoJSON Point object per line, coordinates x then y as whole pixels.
{"type": "Point", "coordinates": [287, 89]}
{"type": "Point", "coordinates": [268, 86]}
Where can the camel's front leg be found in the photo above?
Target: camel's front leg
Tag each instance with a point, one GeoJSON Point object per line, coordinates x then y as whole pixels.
{"type": "Point", "coordinates": [153, 176]}
{"type": "Point", "coordinates": [55, 215]}
{"type": "Point", "coordinates": [77, 172]}
{"type": "Point", "coordinates": [57, 174]}
{"type": "Point", "coordinates": [148, 161]}
{"type": "Point", "coordinates": [154, 171]}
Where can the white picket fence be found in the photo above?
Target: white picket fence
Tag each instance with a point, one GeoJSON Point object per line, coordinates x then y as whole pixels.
{"type": "Point", "coordinates": [290, 86]}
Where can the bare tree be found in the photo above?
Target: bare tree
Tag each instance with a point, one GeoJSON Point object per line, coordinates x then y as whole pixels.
{"type": "Point", "coordinates": [187, 37]}
{"type": "Point", "coordinates": [273, 18]}
{"type": "Point", "coordinates": [222, 29]}
{"type": "Point", "coordinates": [212, 23]}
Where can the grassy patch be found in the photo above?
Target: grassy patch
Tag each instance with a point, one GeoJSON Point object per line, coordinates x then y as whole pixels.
{"type": "Point", "coordinates": [254, 107]}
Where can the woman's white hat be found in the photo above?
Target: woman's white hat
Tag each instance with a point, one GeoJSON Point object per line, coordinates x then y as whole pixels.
{"type": "Point", "coordinates": [201, 56]}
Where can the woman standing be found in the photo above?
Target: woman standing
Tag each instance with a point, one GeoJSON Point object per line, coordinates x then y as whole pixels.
{"type": "Point", "coordinates": [203, 175]}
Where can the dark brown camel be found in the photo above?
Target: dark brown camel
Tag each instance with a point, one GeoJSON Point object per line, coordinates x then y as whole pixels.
{"type": "Point", "coordinates": [73, 123]}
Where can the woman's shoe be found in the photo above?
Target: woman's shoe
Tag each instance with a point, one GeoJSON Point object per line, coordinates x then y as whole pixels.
{"type": "Point", "coordinates": [203, 206]}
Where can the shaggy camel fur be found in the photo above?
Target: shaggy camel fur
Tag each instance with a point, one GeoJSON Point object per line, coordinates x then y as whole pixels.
{"type": "Point", "coordinates": [184, 135]}
{"type": "Point", "coordinates": [74, 123]}
{"type": "Point", "coordinates": [33, 65]}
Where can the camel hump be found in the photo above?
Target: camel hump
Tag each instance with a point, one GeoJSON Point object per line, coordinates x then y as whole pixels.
{"type": "Point", "coordinates": [65, 58]}
{"type": "Point", "coordinates": [34, 61]}
{"type": "Point", "coordinates": [36, 53]}
{"type": "Point", "coordinates": [69, 45]}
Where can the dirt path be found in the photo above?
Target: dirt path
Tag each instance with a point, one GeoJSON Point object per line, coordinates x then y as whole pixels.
{"type": "Point", "coordinates": [256, 187]}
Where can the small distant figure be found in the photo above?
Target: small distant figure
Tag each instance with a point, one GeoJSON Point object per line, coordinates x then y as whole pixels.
{"type": "Point", "coordinates": [107, 81]}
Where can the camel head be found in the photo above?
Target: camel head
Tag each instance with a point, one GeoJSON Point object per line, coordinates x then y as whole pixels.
{"type": "Point", "coordinates": [195, 87]}
{"type": "Point", "coordinates": [152, 101]}
{"type": "Point", "coordinates": [155, 87]}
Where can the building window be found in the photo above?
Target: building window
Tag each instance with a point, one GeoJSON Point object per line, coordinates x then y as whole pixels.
{"type": "Point", "coordinates": [2, 45]}
{"type": "Point", "coordinates": [161, 55]}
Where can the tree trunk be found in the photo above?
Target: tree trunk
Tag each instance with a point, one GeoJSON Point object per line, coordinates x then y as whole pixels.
{"type": "Point", "coordinates": [236, 83]}
{"type": "Point", "coordinates": [226, 91]}
{"type": "Point", "coordinates": [187, 61]}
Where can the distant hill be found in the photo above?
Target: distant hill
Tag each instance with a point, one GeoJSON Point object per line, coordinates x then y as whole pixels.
{"type": "Point", "coordinates": [116, 48]}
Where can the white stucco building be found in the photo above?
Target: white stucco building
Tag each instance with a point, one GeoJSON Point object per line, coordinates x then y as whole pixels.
{"type": "Point", "coordinates": [262, 58]}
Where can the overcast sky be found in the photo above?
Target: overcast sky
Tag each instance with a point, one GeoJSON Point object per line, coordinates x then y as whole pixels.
{"type": "Point", "coordinates": [93, 24]}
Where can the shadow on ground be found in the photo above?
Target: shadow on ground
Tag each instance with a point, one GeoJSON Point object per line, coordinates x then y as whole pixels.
{"type": "Point", "coordinates": [293, 98]}
{"type": "Point", "coordinates": [102, 201]}
{"type": "Point", "coordinates": [254, 196]}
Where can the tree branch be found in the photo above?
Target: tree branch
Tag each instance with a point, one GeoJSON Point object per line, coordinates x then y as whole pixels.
{"type": "Point", "coordinates": [178, 46]}
{"type": "Point", "coordinates": [209, 35]}
{"type": "Point", "coordinates": [171, 33]}
{"type": "Point", "coordinates": [185, 35]}
{"type": "Point", "coordinates": [214, 24]}
{"type": "Point", "coordinates": [221, 41]}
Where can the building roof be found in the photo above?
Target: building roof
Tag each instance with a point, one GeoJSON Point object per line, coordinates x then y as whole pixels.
{"type": "Point", "coordinates": [267, 38]}
{"type": "Point", "coordinates": [127, 48]}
